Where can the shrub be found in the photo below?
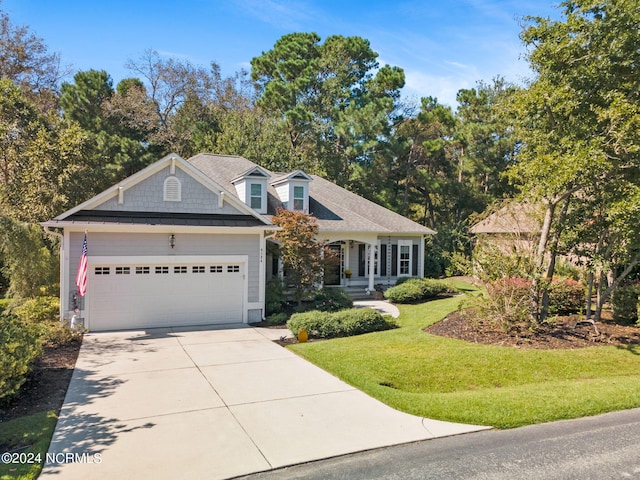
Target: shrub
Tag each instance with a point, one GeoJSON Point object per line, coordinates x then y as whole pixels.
{"type": "Point", "coordinates": [43, 314]}
{"type": "Point", "coordinates": [331, 300]}
{"type": "Point", "coordinates": [508, 301]}
{"type": "Point", "coordinates": [624, 302]}
{"type": "Point", "coordinates": [19, 347]}
{"type": "Point", "coordinates": [492, 262]}
{"type": "Point", "coordinates": [37, 310]}
{"type": "Point", "coordinates": [416, 289]}
{"type": "Point", "coordinates": [354, 321]}
{"type": "Point", "coordinates": [315, 322]}
{"type": "Point", "coordinates": [357, 321]}
{"type": "Point", "coordinates": [277, 319]}
{"type": "Point", "coordinates": [55, 333]}
{"type": "Point", "coordinates": [566, 296]}
{"type": "Point", "coordinates": [458, 264]}
{"type": "Point", "coordinates": [274, 296]}
{"type": "Point", "coordinates": [407, 292]}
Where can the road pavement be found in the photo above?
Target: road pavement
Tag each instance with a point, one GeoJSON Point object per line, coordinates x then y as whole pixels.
{"type": "Point", "coordinates": [594, 448]}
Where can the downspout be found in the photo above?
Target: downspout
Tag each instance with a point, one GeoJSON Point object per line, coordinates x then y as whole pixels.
{"type": "Point", "coordinates": [47, 231]}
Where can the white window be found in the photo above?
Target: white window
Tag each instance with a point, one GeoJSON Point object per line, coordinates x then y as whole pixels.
{"type": "Point", "coordinates": [172, 189]}
{"type": "Point", "coordinates": [142, 270]}
{"type": "Point", "coordinates": [197, 269]}
{"type": "Point", "coordinates": [101, 271]}
{"type": "Point", "coordinates": [256, 196]}
{"type": "Point", "coordinates": [180, 269]}
{"type": "Point", "coordinates": [404, 257]}
{"type": "Point", "coordinates": [123, 270]}
{"type": "Point", "coordinates": [233, 268]}
{"type": "Point", "coordinates": [298, 198]}
{"type": "Point", "coordinates": [215, 269]}
{"type": "Point", "coordinates": [162, 270]}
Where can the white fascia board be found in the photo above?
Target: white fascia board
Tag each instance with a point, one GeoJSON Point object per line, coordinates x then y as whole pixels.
{"type": "Point", "coordinates": [289, 178]}
{"type": "Point", "coordinates": [247, 174]}
{"type": "Point", "coordinates": [365, 237]}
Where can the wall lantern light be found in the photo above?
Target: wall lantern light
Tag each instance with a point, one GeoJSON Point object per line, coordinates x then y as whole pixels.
{"type": "Point", "coordinates": [172, 240]}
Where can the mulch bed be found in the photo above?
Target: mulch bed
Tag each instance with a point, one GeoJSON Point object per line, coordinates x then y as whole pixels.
{"type": "Point", "coordinates": [564, 334]}
{"type": "Point", "coordinates": [46, 384]}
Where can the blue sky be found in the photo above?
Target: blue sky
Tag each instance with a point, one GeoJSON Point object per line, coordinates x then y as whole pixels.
{"type": "Point", "coordinates": [442, 46]}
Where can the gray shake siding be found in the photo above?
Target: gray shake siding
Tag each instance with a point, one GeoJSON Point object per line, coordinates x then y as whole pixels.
{"type": "Point", "coordinates": [148, 196]}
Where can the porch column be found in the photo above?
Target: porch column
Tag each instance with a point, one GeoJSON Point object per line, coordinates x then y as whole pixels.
{"type": "Point", "coordinates": [372, 266]}
{"type": "Point", "coordinates": [421, 254]}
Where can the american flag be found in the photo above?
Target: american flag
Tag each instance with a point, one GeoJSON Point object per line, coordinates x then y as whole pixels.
{"type": "Point", "coordinates": [81, 278]}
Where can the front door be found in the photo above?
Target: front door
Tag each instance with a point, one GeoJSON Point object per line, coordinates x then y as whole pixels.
{"type": "Point", "coordinates": [334, 267]}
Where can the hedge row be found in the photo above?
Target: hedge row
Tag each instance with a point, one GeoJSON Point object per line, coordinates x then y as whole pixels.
{"type": "Point", "coordinates": [345, 323]}
{"type": "Point", "coordinates": [416, 289]}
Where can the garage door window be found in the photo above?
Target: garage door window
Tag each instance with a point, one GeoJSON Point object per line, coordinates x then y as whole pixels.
{"type": "Point", "coordinates": [198, 269]}
{"type": "Point", "coordinates": [233, 268]}
{"type": "Point", "coordinates": [123, 270]}
{"type": "Point", "coordinates": [143, 270]}
{"type": "Point", "coordinates": [215, 269]}
{"type": "Point", "coordinates": [162, 270]}
{"type": "Point", "coordinates": [102, 270]}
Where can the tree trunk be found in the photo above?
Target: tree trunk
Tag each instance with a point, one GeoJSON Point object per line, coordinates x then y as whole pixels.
{"type": "Point", "coordinates": [604, 296]}
{"type": "Point", "coordinates": [544, 312]}
{"type": "Point", "coordinates": [539, 261]}
{"type": "Point", "coordinates": [589, 295]}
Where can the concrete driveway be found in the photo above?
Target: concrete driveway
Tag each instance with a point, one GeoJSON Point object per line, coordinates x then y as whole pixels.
{"type": "Point", "coordinates": [212, 403]}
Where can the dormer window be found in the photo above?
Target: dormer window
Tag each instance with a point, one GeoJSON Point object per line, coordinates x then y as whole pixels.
{"type": "Point", "coordinates": [298, 197]}
{"type": "Point", "coordinates": [293, 190]}
{"type": "Point", "coordinates": [172, 189]}
{"type": "Point", "coordinates": [251, 188]}
{"type": "Point", "coordinates": [256, 196]}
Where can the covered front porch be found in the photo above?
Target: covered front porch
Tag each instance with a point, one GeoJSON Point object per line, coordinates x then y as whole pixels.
{"type": "Point", "coordinates": [365, 263]}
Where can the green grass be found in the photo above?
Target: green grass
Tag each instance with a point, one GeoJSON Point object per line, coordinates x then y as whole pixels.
{"type": "Point", "coordinates": [451, 380]}
{"type": "Point", "coordinates": [35, 432]}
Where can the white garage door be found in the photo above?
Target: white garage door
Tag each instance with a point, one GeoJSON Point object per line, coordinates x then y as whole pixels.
{"type": "Point", "coordinates": [135, 293]}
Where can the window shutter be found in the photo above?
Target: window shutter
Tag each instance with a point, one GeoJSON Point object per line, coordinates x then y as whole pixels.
{"type": "Point", "coordinates": [362, 261]}
{"type": "Point", "coordinates": [414, 261]}
{"type": "Point", "coordinates": [383, 260]}
{"type": "Point", "coordinates": [394, 260]}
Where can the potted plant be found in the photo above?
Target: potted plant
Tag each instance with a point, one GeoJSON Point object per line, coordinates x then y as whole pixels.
{"type": "Point", "coordinates": [348, 273]}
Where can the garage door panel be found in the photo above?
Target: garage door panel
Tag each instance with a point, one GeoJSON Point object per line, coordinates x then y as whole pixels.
{"type": "Point", "coordinates": [139, 295]}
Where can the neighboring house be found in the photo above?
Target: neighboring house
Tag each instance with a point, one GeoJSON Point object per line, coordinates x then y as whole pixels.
{"type": "Point", "coordinates": [515, 226]}
{"type": "Point", "coordinates": [184, 242]}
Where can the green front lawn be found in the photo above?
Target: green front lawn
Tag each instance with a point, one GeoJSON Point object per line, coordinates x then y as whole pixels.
{"type": "Point", "coordinates": [33, 432]}
{"type": "Point", "coordinates": [505, 387]}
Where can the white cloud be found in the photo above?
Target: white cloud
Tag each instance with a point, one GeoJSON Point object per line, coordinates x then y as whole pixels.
{"type": "Point", "coordinates": [444, 88]}
{"type": "Point", "coordinates": [285, 14]}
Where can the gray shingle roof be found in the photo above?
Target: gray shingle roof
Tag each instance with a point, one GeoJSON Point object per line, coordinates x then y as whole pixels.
{"type": "Point", "coordinates": [335, 208]}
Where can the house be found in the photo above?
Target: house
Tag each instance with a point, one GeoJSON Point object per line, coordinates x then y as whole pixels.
{"type": "Point", "coordinates": [184, 242]}
{"type": "Point", "coordinates": [514, 226]}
